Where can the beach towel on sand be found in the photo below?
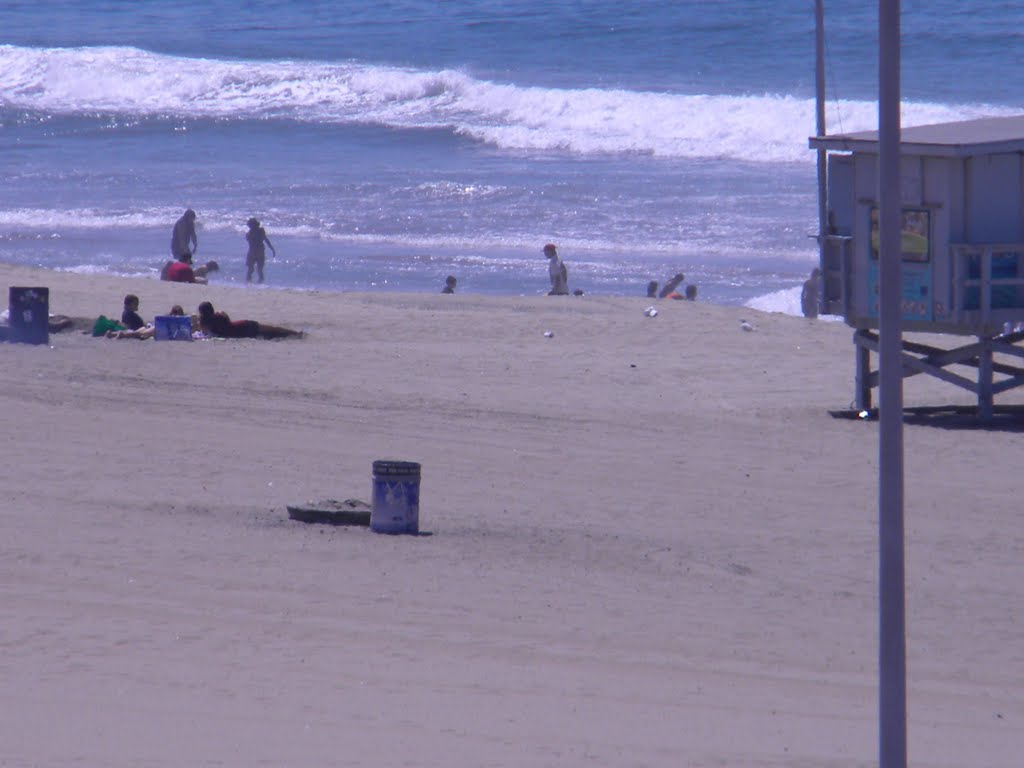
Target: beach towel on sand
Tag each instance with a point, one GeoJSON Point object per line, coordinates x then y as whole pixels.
{"type": "Point", "coordinates": [104, 324]}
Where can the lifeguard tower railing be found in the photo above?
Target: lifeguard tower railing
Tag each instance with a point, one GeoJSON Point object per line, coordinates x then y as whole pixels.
{"type": "Point", "coordinates": [988, 287]}
{"type": "Point", "coordinates": [987, 301]}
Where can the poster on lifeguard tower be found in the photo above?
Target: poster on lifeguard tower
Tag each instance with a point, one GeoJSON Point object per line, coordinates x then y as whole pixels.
{"type": "Point", "coordinates": [915, 266]}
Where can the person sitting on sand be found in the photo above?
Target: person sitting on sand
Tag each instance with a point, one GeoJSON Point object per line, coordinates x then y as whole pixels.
{"type": "Point", "coordinates": [177, 311]}
{"type": "Point", "coordinates": [670, 287]}
{"type": "Point", "coordinates": [449, 284]}
{"type": "Point", "coordinates": [690, 294]}
{"type": "Point", "coordinates": [137, 328]}
{"type": "Point", "coordinates": [652, 289]}
{"type": "Point", "coordinates": [215, 323]}
{"type": "Point", "coordinates": [130, 316]}
{"type": "Point", "coordinates": [557, 272]}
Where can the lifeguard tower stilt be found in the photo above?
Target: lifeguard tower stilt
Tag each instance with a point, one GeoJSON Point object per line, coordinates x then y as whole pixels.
{"type": "Point", "coordinates": [922, 358]}
{"type": "Point", "coordinates": [962, 192]}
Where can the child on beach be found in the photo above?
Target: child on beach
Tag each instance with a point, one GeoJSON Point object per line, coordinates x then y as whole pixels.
{"type": "Point", "coordinates": [130, 316]}
{"type": "Point", "coordinates": [449, 284]}
{"type": "Point", "coordinates": [136, 327]}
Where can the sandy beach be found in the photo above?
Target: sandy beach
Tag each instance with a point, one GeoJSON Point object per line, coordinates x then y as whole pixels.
{"type": "Point", "coordinates": [649, 542]}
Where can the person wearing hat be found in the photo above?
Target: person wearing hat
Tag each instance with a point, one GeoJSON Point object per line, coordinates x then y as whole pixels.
{"type": "Point", "coordinates": [254, 259]}
{"type": "Point", "coordinates": [183, 237]}
{"type": "Point", "coordinates": [557, 271]}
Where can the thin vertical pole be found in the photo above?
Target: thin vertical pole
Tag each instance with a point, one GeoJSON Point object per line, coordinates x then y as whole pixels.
{"type": "Point", "coordinates": [892, 711]}
{"type": "Point", "coordinates": [985, 398]}
{"type": "Point", "coordinates": [819, 92]}
{"type": "Point", "coordinates": [863, 371]}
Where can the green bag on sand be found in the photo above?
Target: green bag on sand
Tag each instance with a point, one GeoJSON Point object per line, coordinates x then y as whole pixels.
{"type": "Point", "coordinates": [104, 324]}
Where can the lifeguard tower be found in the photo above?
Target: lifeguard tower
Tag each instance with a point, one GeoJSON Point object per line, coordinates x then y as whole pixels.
{"type": "Point", "coordinates": [962, 194]}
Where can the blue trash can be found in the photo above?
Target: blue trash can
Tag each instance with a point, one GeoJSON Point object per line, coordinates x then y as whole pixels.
{"type": "Point", "coordinates": [29, 315]}
{"type": "Point", "coordinates": [396, 497]}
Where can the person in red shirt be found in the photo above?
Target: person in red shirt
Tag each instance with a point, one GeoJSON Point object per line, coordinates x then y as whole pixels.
{"type": "Point", "coordinates": [181, 271]}
{"type": "Point", "coordinates": [200, 273]}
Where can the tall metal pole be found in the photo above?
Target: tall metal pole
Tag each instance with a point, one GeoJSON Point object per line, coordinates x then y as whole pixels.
{"type": "Point", "coordinates": [819, 92]}
{"type": "Point", "coordinates": [892, 710]}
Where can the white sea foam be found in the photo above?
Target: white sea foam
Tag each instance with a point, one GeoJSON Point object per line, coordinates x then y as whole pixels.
{"type": "Point", "coordinates": [58, 220]}
{"type": "Point", "coordinates": [132, 83]}
{"type": "Point", "coordinates": [786, 301]}
{"type": "Point", "coordinates": [46, 223]}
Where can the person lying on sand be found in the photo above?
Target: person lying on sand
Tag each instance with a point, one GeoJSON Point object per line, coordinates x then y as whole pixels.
{"type": "Point", "coordinates": [215, 323]}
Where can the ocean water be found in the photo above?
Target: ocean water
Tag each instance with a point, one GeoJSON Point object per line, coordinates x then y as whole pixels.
{"type": "Point", "coordinates": [386, 145]}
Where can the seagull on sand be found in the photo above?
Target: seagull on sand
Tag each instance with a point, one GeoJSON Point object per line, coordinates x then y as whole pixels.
{"type": "Point", "coordinates": [746, 326]}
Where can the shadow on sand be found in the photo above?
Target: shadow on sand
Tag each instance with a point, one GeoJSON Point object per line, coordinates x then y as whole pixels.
{"type": "Point", "coordinates": [1005, 418]}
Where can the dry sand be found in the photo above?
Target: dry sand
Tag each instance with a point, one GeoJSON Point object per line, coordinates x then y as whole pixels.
{"type": "Point", "coordinates": [651, 544]}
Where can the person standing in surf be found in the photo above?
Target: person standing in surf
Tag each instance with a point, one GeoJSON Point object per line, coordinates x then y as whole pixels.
{"type": "Point", "coordinates": [557, 271]}
{"type": "Point", "coordinates": [183, 237]}
{"type": "Point", "coordinates": [810, 295]}
{"type": "Point", "coordinates": [255, 258]}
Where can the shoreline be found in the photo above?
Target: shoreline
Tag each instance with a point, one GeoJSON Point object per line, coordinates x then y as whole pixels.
{"type": "Point", "coordinates": [314, 264]}
{"type": "Point", "coordinates": [784, 299]}
{"type": "Point", "coordinates": [650, 543]}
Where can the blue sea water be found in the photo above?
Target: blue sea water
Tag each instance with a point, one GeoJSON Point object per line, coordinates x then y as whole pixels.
{"type": "Point", "coordinates": [385, 145]}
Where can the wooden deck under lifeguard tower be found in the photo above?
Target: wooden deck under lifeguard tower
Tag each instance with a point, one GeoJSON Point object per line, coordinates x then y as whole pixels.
{"type": "Point", "coordinates": [962, 194]}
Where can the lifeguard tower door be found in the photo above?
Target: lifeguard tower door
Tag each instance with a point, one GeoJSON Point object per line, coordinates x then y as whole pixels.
{"type": "Point", "coordinates": [917, 292]}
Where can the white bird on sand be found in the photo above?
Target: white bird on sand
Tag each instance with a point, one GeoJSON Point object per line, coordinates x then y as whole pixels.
{"type": "Point", "coordinates": [746, 326]}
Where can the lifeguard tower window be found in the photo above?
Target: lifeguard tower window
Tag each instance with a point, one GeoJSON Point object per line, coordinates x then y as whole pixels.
{"type": "Point", "coordinates": [1005, 268]}
{"type": "Point", "coordinates": [915, 242]}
